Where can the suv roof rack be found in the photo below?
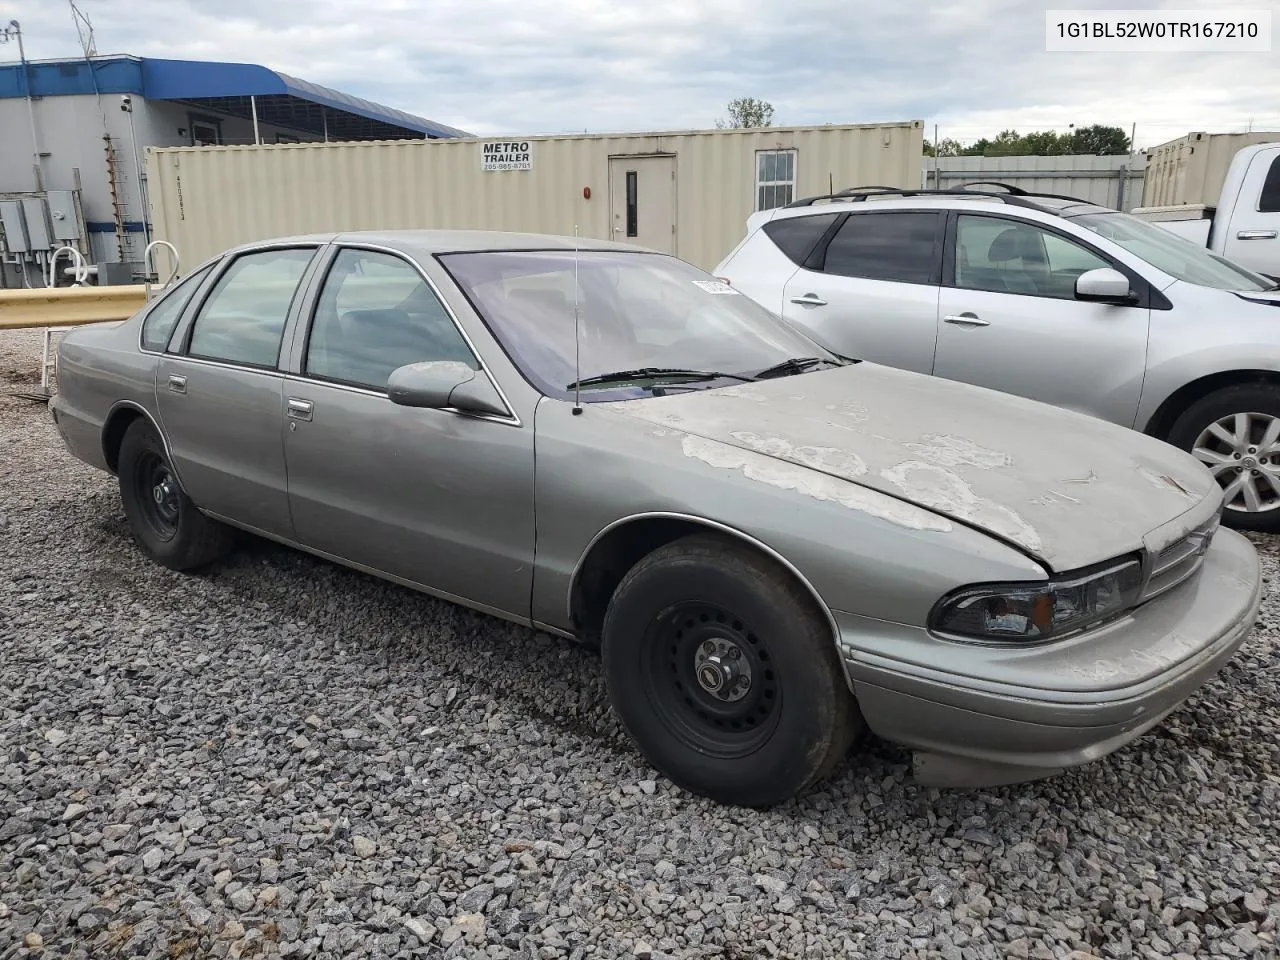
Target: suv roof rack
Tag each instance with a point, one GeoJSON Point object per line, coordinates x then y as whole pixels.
{"type": "Point", "coordinates": [1009, 194]}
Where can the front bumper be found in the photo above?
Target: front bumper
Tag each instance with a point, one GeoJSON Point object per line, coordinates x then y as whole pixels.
{"type": "Point", "coordinates": [981, 715]}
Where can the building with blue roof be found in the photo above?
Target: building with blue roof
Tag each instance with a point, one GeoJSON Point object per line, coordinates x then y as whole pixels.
{"type": "Point", "coordinates": [74, 134]}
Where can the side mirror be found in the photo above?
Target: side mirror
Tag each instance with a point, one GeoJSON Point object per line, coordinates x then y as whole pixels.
{"type": "Point", "coordinates": [1104, 286]}
{"type": "Point", "coordinates": [445, 384]}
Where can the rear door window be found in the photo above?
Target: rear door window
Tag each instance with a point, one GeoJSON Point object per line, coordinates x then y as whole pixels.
{"type": "Point", "coordinates": [902, 246]}
{"type": "Point", "coordinates": [797, 236]}
{"type": "Point", "coordinates": [1269, 202]}
{"type": "Point", "coordinates": [242, 320]}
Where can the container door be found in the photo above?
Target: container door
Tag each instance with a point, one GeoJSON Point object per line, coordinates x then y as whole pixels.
{"type": "Point", "coordinates": [643, 201]}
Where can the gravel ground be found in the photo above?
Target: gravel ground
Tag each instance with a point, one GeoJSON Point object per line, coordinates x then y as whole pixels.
{"type": "Point", "coordinates": [285, 758]}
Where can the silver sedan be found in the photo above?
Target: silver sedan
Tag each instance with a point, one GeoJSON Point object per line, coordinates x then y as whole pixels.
{"type": "Point", "coordinates": [776, 547]}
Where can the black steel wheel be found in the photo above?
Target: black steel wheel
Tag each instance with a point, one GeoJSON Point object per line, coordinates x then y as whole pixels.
{"type": "Point", "coordinates": [712, 679]}
{"type": "Point", "coordinates": [724, 671]}
{"type": "Point", "coordinates": [168, 527]}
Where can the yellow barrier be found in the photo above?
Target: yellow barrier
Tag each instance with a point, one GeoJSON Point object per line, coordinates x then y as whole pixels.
{"type": "Point", "coordinates": [69, 306]}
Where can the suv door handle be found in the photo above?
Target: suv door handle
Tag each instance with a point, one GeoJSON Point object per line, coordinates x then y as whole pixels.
{"type": "Point", "coordinates": [1256, 235]}
{"type": "Point", "coordinates": [177, 384]}
{"type": "Point", "coordinates": [811, 299]}
{"type": "Point", "coordinates": [966, 319]}
{"type": "Point", "coordinates": [299, 409]}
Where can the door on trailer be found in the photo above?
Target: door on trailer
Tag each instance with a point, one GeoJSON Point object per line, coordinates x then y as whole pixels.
{"type": "Point", "coordinates": [643, 203]}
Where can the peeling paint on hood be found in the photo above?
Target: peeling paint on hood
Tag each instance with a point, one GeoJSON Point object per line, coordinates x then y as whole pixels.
{"type": "Point", "coordinates": [1067, 488]}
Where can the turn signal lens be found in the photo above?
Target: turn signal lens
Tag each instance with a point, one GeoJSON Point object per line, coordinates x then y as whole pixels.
{"type": "Point", "coordinates": [1020, 612]}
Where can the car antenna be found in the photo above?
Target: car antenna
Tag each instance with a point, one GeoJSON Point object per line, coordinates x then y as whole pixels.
{"type": "Point", "coordinates": [577, 346]}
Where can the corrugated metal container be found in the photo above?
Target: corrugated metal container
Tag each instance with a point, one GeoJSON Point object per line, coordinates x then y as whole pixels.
{"type": "Point", "coordinates": [205, 199]}
{"type": "Point", "coordinates": [1192, 169]}
{"type": "Point", "coordinates": [1111, 181]}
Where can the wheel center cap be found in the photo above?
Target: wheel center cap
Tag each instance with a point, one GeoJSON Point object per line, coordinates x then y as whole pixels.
{"type": "Point", "coordinates": [714, 675]}
{"type": "Point", "coordinates": [1250, 463]}
{"type": "Point", "coordinates": [158, 493]}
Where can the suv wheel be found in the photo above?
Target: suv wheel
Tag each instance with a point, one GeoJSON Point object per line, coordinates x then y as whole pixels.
{"type": "Point", "coordinates": [1235, 432]}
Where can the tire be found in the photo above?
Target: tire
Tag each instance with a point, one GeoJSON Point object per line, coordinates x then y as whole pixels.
{"type": "Point", "coordinates": [167, 526]}
{"type": "Point", "coordinates": [794, 718]}
{"type": "Point", "coordinates": [1261, 403]}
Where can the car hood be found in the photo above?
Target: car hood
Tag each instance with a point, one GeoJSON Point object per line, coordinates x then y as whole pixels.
{"type": "Point", "coordinates": [1067, 488]}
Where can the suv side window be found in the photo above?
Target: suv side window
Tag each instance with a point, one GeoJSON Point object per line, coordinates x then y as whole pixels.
{"type": "Point", "coordinates": [375, 314]}
{"type": "Point", "coordinates": [901, 246]}
{"type": "Point", "coordinates": [797, 236]}
{"type": "Point", "coordinates": [242, 320]}
{"type": "Point", "coordinates": [158, 326]}
{"type": "Point", "coordinates": [1008, 256]}
{"type": "Point", "coordinates": [1269, 202]}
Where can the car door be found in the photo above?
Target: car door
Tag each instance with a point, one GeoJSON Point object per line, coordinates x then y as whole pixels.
{"type": "Point", "coordinates": [220, 396]}
{"type": "Point", "coordinates": [1253, 235]}
{"type": "Point", "coordinates": [871, 291]}
{"type": "Point", "coordinates": [439, 499]}
{"type": "Point", "coordinates": [1011, 320]}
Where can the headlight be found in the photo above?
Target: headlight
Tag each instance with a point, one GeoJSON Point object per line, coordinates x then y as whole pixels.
{"type": "Point", "coordinates": [1044, 610]}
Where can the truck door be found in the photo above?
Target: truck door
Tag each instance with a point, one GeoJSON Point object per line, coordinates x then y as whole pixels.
{"type": "Point", "coordinates": [1253, 234]}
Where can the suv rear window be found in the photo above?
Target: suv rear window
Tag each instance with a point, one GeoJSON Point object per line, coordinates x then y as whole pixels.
{"type": "Point", "coordinates": [797, 236]}
{"type": "Point", "coordinates": [1269, 202]}
{"type": "Point", "coordinates": [901, 246]}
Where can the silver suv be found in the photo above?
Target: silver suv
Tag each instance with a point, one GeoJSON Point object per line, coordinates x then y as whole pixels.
{"type": "Point", "coordinates": [1044, 296]}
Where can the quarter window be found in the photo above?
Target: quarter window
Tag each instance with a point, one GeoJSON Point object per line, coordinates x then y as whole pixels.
{"type": "Point", "coordinates": [243, 319]}
{"type": "Point", "coordinates": [797, 236]}
{"type": "Point", "coordinates": [886, 246]}
{"type": "Point", "coordinates": [158, 326]}
{"type": "Point", "coordinates": [376, 314]}
{"type": "Point", "coordinates": [1006, 256]}
{"type": "Point", "coordinates": [1269, 202]}
{"type": "Point", "coordinates": [775, 178]}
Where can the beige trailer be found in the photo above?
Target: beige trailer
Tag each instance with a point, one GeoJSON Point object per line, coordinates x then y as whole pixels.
{"type": "Point", "coordinates": [1191, 169]}
{"type": "Point", "coordinates": [687, 193]}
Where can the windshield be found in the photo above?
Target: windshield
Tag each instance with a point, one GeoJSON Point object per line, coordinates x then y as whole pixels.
{"type": "Point", "coordinates": [1175, 255]}
{"type": "Point", "coordinates": [635, 311]}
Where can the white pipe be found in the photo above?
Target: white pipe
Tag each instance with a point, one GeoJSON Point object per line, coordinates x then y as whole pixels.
{"type": "Point", "coordinates": [137, 169]}
{"type": "Point", "coordinates": [146, 263]}
{"type": "Point", "coordinates": [81, 270]}
{"type": "Point", "coordinates": [253, 105]}
{"type": "Point", "coordinates": [37, 168]}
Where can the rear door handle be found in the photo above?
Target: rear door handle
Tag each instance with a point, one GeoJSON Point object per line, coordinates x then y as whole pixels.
{"type": "Point", "coordinates": [966, 319]}
{"type": "Point", "coordinates": [299, 409]}
{"type": "Point", "coordinates": [177, 384]}
{"type": "Point", "coordinates": [1256, 235]}
{"type": "Point", "coordinates": [811, 299]}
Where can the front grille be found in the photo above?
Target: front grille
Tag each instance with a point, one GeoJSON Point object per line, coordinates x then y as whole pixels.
{"type": "Point", "coordinates": [1180, 559]}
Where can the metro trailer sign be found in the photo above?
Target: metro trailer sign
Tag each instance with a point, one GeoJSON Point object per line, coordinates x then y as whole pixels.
{"type": "Point", "coordinates": [506, 155]}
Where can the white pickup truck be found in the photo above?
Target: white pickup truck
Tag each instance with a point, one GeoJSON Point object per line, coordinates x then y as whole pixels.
{"type": "Point", "coordinates": [1244, 227]}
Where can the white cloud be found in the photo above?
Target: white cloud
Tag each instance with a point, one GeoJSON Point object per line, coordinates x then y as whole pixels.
{"type": "Point", "coordinates": [568, 65]}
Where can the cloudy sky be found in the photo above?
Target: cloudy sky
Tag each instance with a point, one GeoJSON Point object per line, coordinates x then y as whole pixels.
{"type": "Point", "coordinates": [973, 67]}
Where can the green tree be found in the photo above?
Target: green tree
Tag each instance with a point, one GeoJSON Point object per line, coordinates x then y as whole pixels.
{"type": "Point", "coordinates": [947, 147]}
{"type": "Point", "coordinates": [1100, 140]}
{"type": "Point", "coordinates": [747, 112]}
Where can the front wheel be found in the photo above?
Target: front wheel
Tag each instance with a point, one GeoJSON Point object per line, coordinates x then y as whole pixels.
{"type": "Point", "coordinates": [1235, 432]}
{"type": "Point", "coordinates": [725, 674]}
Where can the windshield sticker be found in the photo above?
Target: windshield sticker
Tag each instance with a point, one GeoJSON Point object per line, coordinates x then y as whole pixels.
{"type": "Point", "coordinates": [716, 286]}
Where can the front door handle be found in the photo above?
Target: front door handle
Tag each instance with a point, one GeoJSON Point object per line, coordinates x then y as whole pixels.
{"type": "Point", "coordinates": [1256, 235]}
{"type": "Point", "coordinates": [177, 384]}
{"type": "Point", "coordinates": [299, 409]}
{"type": "Point", "coordinates": [810, 299]}
{"type": "Point", "coordinates": [966, 319]}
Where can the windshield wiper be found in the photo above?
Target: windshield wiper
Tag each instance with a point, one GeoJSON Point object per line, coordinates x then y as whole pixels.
{"type": "Point", "coordinates": [655, 373]}
{"type": "Point", "coordinates": [790, 366]}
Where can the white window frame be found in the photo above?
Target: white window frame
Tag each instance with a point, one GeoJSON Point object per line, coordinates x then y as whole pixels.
{"type": "Point", "coordinates": [760, 183]}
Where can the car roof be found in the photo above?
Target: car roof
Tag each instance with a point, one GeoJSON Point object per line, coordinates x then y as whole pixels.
{"type": "Point", "coordinates": [431, 242]}
{"type": "Point", "coordinates": [887, 198]}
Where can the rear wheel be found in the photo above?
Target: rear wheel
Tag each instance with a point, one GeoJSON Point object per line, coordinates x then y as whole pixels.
{"type": "Point", "coordinates": [1235, 432]}
{"type": "Point", "coordinates": [163, 520]}
{"type": "Point", "coordinates": [725, 674]}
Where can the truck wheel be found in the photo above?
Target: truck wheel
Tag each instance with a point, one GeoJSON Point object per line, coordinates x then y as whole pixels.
{"type": "Point", "coordinates": [725, 674]}
{"type": "Point", "coordinates": [164, 521]}
{"type": "Point", "coordinates": [1235, 432]}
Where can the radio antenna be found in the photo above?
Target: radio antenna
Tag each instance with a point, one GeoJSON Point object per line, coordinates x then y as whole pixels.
{"type": "Point", "coordinates": [577, 340]}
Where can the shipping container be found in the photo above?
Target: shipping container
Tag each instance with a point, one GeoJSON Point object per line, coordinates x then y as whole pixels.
{"type": "Point", "coordinates": [1109, 181]}
{"type": "Point", "coordinates": [687, 193]}
{"type": "Point", "coordinates": [1192, 169]}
